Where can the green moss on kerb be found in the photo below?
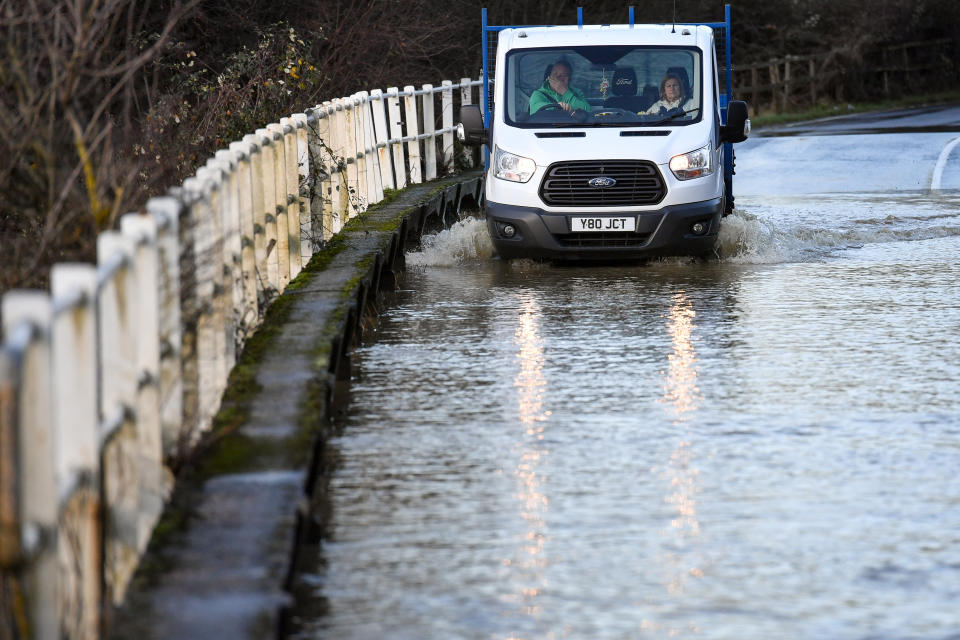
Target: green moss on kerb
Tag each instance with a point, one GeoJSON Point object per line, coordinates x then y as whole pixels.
{"type": "Point", "coordinates": [230, 455]}
{"type": "Point", "coordinates": [389, 196]}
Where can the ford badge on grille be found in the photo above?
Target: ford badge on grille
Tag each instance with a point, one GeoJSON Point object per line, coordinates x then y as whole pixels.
{"type": "Point", "coordinates": [602, 182]}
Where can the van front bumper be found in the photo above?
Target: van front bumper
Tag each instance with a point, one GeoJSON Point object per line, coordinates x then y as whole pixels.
{"type": "Point", "coordinates": [663, 232]}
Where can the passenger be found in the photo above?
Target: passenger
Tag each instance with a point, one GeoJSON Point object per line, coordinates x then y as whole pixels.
{"type": "Point", "coordinates": [671, 97]}
{"type": "Point", "coordinates": [556, 91]}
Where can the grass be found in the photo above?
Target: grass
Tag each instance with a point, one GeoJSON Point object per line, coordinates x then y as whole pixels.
{"type": "Point", "coordinates": [831, 110]}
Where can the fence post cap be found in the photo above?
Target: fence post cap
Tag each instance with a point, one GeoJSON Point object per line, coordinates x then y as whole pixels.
{"type": "Point", "coordinates": [114, 251]}
{"type": "Point", "coordinates": [30, 306]}
{"type": "Point", "coordinates": [210, 178]}
{"type": "Point", "coordinates": [139, 226]}
{"type": "Point", "coordinates": [219, 170]}
{"type": "Point", "coordinates": [72, 284]}
{"type": "Point", "coordinates": [228, 156]}
{"type": "Point", "coordinates": [265, 135]}
{"type": "Point", "coordinates": [254, 141]}
{"type": "Point", "coordinates": [165, 208]}
{"type": "Point", "coordinates": [110, 242]}
{"type": "Point", "coordinates": [195, 188]}
{"type": "Point", "coordinates": [72, 274]}
{"type": "Point", "coordinates": [241, 150]}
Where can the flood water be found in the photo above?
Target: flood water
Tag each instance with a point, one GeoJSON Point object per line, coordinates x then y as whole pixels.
{"type": "Point", "coordinates": [765, 445]}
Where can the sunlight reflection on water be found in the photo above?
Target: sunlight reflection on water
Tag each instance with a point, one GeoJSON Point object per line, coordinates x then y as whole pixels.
{"type": "Point", "coordinates": [740, 448]}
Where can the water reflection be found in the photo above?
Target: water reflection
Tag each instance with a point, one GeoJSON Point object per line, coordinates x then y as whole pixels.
{"type": "Point", "coordinates": [681, 399]}
{"type": "Point", "coordinates": [680, 391]}
{"type": "Point", "coordinates": [530, 383]}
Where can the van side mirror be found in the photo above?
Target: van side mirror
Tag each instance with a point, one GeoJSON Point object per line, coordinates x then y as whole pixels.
{"type": "Point", "coordinates": [738, 124]}
{"type": "Point", "coordinates": [471, 131]}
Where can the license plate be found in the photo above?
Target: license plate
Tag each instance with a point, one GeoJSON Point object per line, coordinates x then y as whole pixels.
{"type": "Point", "coordinates": [602, 223]}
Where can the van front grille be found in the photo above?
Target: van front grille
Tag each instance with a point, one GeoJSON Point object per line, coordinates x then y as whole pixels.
{"type": "Point", "coordinates": [567, 184]}
{"type": "Point", "coordinates": [602, 240]}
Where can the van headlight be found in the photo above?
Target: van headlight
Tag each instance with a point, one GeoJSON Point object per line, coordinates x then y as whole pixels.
{"type": "Point", "coordinates": [509, 166]}
{"type": "Point", "coordinates": [693, 164]}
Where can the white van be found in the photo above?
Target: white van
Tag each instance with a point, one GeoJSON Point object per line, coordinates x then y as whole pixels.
{"type": "Point", "coordinates": [628, 156]}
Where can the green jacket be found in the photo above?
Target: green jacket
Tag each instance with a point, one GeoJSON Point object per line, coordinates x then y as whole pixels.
{"type": "Point", "coordinates": [546, 95]}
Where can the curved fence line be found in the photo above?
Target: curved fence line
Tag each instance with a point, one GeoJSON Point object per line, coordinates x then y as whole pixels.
{"type": "Point", "coordinates": [111, 377]}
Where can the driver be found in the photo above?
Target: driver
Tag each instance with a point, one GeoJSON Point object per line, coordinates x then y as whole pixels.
{"type": "Point", "coordinates": [671, 96]}
{"type": "Point", "coordinates": [556, 90]}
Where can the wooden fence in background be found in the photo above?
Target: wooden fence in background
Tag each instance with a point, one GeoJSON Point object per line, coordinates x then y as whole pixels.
{"type": "Point", "coordinates": [119, 369]}
{"type": "Point", "coordinates": [794, 82]}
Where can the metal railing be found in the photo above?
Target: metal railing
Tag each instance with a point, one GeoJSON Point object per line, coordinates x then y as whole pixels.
{"type": "Point", "coordinates": [119, 369]}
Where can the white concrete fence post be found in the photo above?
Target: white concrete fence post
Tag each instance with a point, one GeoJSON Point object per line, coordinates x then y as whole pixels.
{"type": "Point", "coordinates": [368, 146]}
{"type": "Point", "coordinates": [222, 316]}
{"type": "Point", "coordinates": [77, 446]}
{"type": "Point", "coordinates": [412, 132]}
{"type": "Point", "coordinates": [146, 265]}
{"type": "Point", "coordinates": [120, 450]}
{"type": "Point", "coordinates": [466, 92]}
{"type": "Point", "coordinates": [229, 162]}
{"type": "Point", "coordinates": [332, 207]}
{"type": "Point", "coordinates": [370, 152]}
{"type": "Point", "coordinates": [27, 316]}
{"type": "Point", "coordinates": [304, 206]}
{"type": "Point", "coordinates": [242, 152]}
{"type": "Point", "coordinates": [258, 239]}
{"type": "Point", "coordinates": [292, 180]}
{"type": "Point", "coordinates": [362, 199]}
{"type": "Point", "coordinates": [282, 249]}
{"type": "Point", "coordinates": [396, 133]}
{"type": "Point", "coordinates": [429, 128]}
{"type": "Point", "coordinates": [357, 199]}
{"type": "Point", "coordinates": [319, 177]}
{"type": "Point", "coordinates": [204, 302]}
{"type": "Point", "coordinates": [166, 213]}
{"type": "Point", "coordinates": [446, 111]}
{"type": "Point", "coordinates": [187, 353]}
{"type": "Point", "coordinates": [340, 198]}
{"type": "Point", "coordinates": [382, 134]}
{"type": "Point", "coordinates": [269, 181]}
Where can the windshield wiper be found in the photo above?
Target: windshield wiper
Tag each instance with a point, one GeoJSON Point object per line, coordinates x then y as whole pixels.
{"type": "Point", "coordinates": [673, 116]}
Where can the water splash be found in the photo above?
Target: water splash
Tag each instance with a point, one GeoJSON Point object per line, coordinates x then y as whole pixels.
{"type": "Point", "coordinates": [748, 238]}
{"type": "Point", "coordinates": [464, 240]}
{"type": "Point", "coordinates": [762, 235]}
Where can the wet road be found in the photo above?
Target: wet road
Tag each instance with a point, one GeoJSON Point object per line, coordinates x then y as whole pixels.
{"type": "Point", "coordinates": [762, 446]}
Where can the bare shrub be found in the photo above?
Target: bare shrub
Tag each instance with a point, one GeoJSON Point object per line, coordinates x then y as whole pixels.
{"type": "Point", "coordinates": [67, 72]}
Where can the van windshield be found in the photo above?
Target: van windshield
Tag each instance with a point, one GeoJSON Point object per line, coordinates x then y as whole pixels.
{"type": "Point", "coordinates": [603, 86]}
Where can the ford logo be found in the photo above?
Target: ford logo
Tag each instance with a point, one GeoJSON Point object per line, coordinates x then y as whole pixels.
{"type": "Point", "coordinates": [602, 182]}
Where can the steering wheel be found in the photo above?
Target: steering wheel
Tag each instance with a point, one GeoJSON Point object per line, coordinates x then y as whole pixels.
{"type": "Point", "coordinates": [550, 106]}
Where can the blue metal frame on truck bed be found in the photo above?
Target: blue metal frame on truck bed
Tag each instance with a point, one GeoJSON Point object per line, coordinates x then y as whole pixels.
{"type": "Point", "coordinates": [722, 31]}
